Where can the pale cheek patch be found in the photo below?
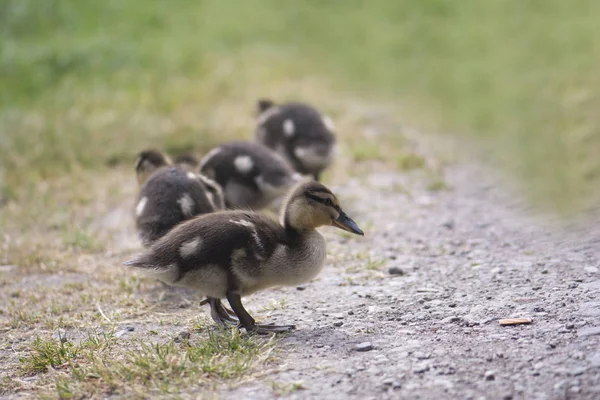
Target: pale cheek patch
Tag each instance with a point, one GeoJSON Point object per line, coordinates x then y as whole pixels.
{"type": "Point", "coordinates": [139, 209]}
{"type": "Point", "coordinates": [288, 128]}
{"type": "Point", "coordinates": [243, 164]}
{"type": "Point", "coordinates": [190, 247]}
{"type": "Point", "coordinates": [328, 122]}
{"type": "Point", "coordinates": [192, 175]}
{"type": "Point", "coordinates": [310, 158]}
{"type": "Point", "coordinates": [187, 205]}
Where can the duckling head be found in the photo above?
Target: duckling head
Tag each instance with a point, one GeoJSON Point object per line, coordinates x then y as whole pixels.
{"type": "Point", "coordinates": [311, 205]}
{"type": "Point", "coordinates": [187, 161]}
{"type": "Point", "coordinates": [149, 161]}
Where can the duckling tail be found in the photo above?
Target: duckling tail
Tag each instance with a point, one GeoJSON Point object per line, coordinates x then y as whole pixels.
{"type": "Point", "coordinates": [138, 262]}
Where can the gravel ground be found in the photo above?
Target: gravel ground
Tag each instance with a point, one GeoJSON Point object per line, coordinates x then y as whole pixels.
{"type": "Point", "coordinates": [411, 310]}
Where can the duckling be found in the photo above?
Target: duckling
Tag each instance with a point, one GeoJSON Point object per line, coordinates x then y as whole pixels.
{"type": "Point", "coordinates": [187, 161]}
{"type": "Point", "coordinates": [250, 174]}
{"type": "Point", "coordinates": [148, 162]}
{"type": "Point", "coordinates": [234, 253]}
{"type": "Point", "coordinates": [299, 133]}
{"type": "Point", "coordinates": [170, 195]}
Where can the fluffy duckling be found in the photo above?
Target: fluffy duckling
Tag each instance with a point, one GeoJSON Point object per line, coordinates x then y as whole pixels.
{"type": "Point", "coordinates": [250, 174]}
{"type": "Point", "coordinates": [187, 161]}
{"type": "Point", "coordinates": [299, 133]}
{"type": "Point", "coordinates": [231, 254]}
{"type": "Point", "coordinates": [170, 195]}
{"type": "Point", "coordinates": [148, 162]}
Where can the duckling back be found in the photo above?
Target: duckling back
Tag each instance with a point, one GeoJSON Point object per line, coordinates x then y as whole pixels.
{"type": "Point", "coordinates": [250, 174]}
{"type": "Point", "coordinates": [170, 196]}
{"type": "Point", "coordinates": [299, 133]}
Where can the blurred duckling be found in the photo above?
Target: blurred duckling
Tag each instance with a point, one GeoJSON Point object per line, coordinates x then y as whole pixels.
{"type": "Point", "coordinates": [231, 254]}
{"type": "Point", "coordinates": [299, 133]}
{"type": "Point", "coordinates": [187, 161]}
{"type": "Point", "coordinates": [251, 175]}
{"type": "Point", "coordinates": [148, 162]}
{"type": "Point", "coordinates": [170, 195]}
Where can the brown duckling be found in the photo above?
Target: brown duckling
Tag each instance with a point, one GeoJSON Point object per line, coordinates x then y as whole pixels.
{"type": "Point", "coordinates": [231, 254]}
{"type": "Point", "coordinates": [251, 175]}
{"type": "Point", "coordinates": [299, 133]}
{"type": "Point", "coordinates": [170, 195]}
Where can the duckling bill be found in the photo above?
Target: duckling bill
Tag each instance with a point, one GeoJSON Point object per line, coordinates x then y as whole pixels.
{"type": "Point", "coordinates": [232, 254]}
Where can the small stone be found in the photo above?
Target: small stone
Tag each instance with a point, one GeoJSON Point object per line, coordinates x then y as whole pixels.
{"type": "Point", "coordinates": [300, 288]}
{"type": "Point", "coordinates": [574, 389]}
{"type": "Point", "coordinates": [338, 324]}
{"type": "Point", "coordinates": [576, 371]}
{"type": "Point", "coordinates": [124, 331]}
{"type": "Point", "coordinates": [452, 305]}
{"type": "Point", "coordinates": [181, 336]}
{"type": "Point", "coordinates": [350, 312]}
{"type": "Point", "coordinates": [419, 368]}
{"type": "Point", "coordinates": [388, 382]}
{"type": "Point", "coordinates": [590, 269]}
{"type": "Point", "coordinates": [450, 320]}
{"type": "Point", "coordinates": [319, 345]}
{"type": "Point", "coordinates": [364, 346]}
{"type": "Point", "coordinates": [448, 224]}
{"type": "Point", "coordinates": [573, 285]}
{"type": "Point", "coordinates": [61, 335]}
{"type": "Point", "coordinates": [395, 271]}
{"type": "Point", "coordinates": [422, 356]}
{"type": "Point", "coordinates": [592, 331]}
{"type": "Point", "coordinates": [594, 359]}
{"type": "Point", "coordinates": [489, 375]}
{"type": "Point", "coordinates": [570, 326]}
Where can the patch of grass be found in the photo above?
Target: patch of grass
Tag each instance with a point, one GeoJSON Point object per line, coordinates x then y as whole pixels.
{"type": "Point", "coordinates": [437, 185]}
{"type": "Point", "coordinates": [275, 305]}
{"type": "Point", "coordinates": [100, 365]}
{"type": "Point", "coordinates": [79, 94]}
{"type": "Point", "coordinates": [409, 161]}
{"type": "Point", "coordinates": [49, 353]}
{"type": "Point", "coordinates": [284, 389]}
{"type": "Point", "coordinates": [374, 265]}
{"type": "Point", "coordinates": [82, 240]}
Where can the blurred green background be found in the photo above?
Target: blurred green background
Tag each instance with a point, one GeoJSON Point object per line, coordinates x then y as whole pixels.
{"type": "Point", "coordinates": [86, 83]}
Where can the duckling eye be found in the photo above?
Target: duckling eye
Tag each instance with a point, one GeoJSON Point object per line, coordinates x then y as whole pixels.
{"type": "Point", "coordinates": [328, 202]}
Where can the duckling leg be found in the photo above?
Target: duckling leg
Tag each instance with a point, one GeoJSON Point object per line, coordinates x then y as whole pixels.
{"type": "Point", "coordinates": [218, 313]}
{"type": "Point", "coordinates": [248, 322]}
{"type": "Point", "coordinates": [317, 176]}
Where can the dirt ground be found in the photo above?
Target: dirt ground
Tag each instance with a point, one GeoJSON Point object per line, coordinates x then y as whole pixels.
{"type": "Point", "coordinates": [411, 309]}
{"type": "Point", "coordinates": [466, 258]}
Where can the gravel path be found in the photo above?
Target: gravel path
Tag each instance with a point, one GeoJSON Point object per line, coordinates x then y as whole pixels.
{"type": "Point", "coordinates": [460, 260]}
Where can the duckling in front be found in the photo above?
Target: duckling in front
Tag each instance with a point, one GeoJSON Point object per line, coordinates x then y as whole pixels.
{"type": "Point", "coordinates": [170, 195]}
{"type": "Point", "coordinates": [231, 254]}
{"type": "Point", "coordinates": [298, 132]}
{"type": "Point", "coordinates": [250, 174]}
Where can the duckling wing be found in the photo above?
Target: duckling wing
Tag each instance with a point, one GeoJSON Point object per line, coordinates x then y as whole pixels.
{"type": "Point", "coordinates": [210, 247]}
